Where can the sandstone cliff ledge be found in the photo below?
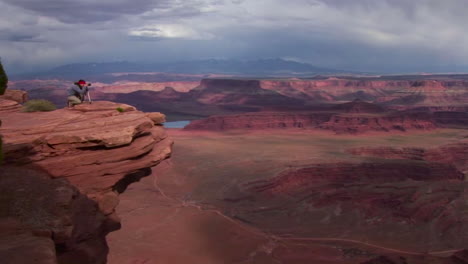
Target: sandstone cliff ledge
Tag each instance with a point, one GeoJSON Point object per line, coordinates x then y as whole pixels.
{"type": "Point", "coordinates": [94, 151]}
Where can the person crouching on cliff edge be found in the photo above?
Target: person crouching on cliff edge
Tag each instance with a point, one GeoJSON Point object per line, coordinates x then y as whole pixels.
{"type": "Point", "coordinates": [76, 93]}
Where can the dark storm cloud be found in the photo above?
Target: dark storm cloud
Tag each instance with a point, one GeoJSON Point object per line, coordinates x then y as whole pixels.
{"type": "Point", "coordinates": [7, 35]}
{"type": "Point", "coordinates": [409, 7]}
{"type": "Point", "coordinates": [88, 11]}
{"type": "Point", "coordinates": [349, 34]}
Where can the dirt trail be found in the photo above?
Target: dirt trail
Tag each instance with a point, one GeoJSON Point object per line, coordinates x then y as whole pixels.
{"type": "Point", "coordinates": [177, 215]}
{"type": "Point", "coordinates": [283, 239]}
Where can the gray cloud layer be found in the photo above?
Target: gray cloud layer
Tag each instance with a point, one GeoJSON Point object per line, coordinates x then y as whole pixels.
{"type": "Point", "coordinates": [357, 34]}
{"type": "Point", "coordinates": [87, 11]}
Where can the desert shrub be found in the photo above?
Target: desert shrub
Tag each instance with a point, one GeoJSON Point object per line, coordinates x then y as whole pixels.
{"type": "Point", "coordinates": [38, 105]}
{"type": "Point", "coordinates": [119, 109]}
{"type": "Point", "coordinates": [3, 79]}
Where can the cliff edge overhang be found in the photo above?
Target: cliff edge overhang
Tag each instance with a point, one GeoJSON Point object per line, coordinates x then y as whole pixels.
{"type": "Point", "coordinates": [94, 151]}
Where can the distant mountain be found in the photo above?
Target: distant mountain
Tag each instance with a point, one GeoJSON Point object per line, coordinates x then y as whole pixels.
{"type": "Point", "coordinates": [258, 68]}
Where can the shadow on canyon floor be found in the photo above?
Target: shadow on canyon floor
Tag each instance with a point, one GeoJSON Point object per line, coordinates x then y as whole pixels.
{"type": "Point", "coordinates": [197, 208]}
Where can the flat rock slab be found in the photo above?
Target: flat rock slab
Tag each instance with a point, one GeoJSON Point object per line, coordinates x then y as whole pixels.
{"type": "Point", "coordinates": [93, 145]}
{"type": "Point", "coordinates": [7, 106]}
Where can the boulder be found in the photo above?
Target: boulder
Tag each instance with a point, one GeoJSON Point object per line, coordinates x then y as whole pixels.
{"type": "Point", "coordinates": [15, 95]}
{"type": "Point", "coordinates": [157, 118]}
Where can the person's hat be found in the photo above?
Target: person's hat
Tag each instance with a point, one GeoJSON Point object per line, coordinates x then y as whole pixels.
{"type": "Point", "coordinates": [81, 82]}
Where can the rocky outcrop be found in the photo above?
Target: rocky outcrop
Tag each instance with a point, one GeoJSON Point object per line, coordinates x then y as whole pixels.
{"type": "Point", "coordinates": [333, 88]}
{"type": "Point", "coordinates": [359, 106]}
{"type": "Point", "coordinates": [445, 118]}
{"type": "Point", "coordinates": [92, 145]}
{"type": "Point", "coordinates": [48, 221]}
{"type": "Point", "coordinates": [261, 120]}
{"type": "Point", "coordinates": [349, 123]}
{"type": "Point", "coordinates": [7, 106]}
{"type": "Point", "coordinates": [15, 95]}
{"type": "Point", "coordinates": [157, 118]}
{"type": "Point", "coordinates": [352, 117]}
{"type": "Point", "coordinates": [407, 93]}
{"type": "Point", "coordinates": [337, 122]}
{"type": "Point", "coordinates": [297, 181]}
{"type": "Point", "coordinates": [184, 100]}
{"type": "Point", "coordinates": [129, 87]}
{"type": "Point", "coordinates": [239, 92]}
{"type": "Point", "coordinates": [411, 205]}
{"type": "Point", "coordinates": [98, 149]}
{"type": "Point", "coordinates": [455, 154]}
{"type": "Point", "coordinates": [401, 91]}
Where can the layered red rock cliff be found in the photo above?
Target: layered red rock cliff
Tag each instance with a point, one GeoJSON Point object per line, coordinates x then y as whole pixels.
{"type": "Point", "coordinates": [128, 87]}
{"type": "Point", "coordinates": [352, 117]}
{"type": "Point", "coordinates": [456, 154]}
{"type": "Point", "coordinates": [261, 120]}
{"type": "Point", "coordinates": [425, 92]}
{"type": "Point", "coordinates": [224, 96]}
{"type": "Point", "coordinates": [83, 158]}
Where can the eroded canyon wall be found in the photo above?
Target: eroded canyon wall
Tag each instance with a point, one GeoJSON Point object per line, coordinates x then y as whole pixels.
{"type": "Point", "coordinates": [64, 170]}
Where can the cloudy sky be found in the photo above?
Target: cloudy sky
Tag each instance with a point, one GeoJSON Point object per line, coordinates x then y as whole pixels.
{"type": "Point", "coordinates": [371, 35]}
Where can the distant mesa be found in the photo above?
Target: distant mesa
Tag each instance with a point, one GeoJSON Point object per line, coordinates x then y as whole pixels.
{"type": "Point", "coordinates": [455, 154]}
{"type": "Point", "coordinates": [353, 117]}
{"type": "Point", "coordinates": [168, 90]}
{"type": "Point", "coordinates": [359, 106]}
{"type": "Point", "coordinates": [261, 120]}
{"type": "Point", "coordinates": [444, 97]}
{"type": "Point", "coordinates": [296, 181]}
{"type": "Point", "coordinates": [168, 93]}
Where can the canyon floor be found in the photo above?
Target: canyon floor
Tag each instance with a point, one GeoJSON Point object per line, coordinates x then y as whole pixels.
{"type": "Point", "coordinates": [234, 197]}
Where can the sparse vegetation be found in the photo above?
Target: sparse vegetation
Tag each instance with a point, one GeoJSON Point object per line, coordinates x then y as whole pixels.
{"type": "Point", "coordinates": [38, 105]}
{"type": "Point", "coordinates": [3, 80]}
{"type": "Point", "coordinates": [120, 109]}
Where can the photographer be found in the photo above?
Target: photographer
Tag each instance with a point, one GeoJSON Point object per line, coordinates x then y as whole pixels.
{"type": "Point", "coordinates": [77, 92]}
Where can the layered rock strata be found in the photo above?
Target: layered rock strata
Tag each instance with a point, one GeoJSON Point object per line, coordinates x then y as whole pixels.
{"type": "Point", "coordinates": [337, 122]}
{"type": "Point", "coordinates": [412, 205]}
{"type": "Point", "coordinates": [96, 150]}
{"type": "Point", "coordinates": [15, 95]}
{"type": "Point", "coordinates": [456, 154]}
{"type": "Point", "coordinates": [9, 106]}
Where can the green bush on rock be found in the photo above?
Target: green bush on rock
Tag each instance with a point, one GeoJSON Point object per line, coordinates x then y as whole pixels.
{"type": "Point", "coordinates": [3, 80]}
{"type": "Point", "coordinates": [38, 105]}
